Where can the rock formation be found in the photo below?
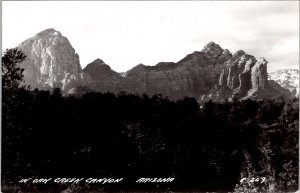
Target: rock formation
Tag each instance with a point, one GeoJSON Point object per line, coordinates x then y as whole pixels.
{"type": "Point", "coordinates": [194, 75]}
{"type": "Point", "coordinates": [235, 79]}
{"type": "Point", "coordinates": [51, 62]}
{"type": "Point", "coordinates": [212, 73]}
{"type": "Point", "coordinates": [260, 88]}
{"type": "Point", "coordinates": [104, 79]}
{"type": "Point", "coordinates": [259, 75]}
{"type": "Point", "coordinates": [245, 78]}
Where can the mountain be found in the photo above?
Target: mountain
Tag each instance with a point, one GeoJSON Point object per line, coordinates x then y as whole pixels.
{"type": "Point", "coordinates": [192, 76]}
{"type": "Point", "coordinates": [212, 73]}
{"type": "Point", "coordinates": [287, 78]}
{"type": "Point", "coordinates": [103, 77]}
{"type": "Point", "coordinates": [51, 62]}
{"type": "Point", "coordinates": [246, 78]}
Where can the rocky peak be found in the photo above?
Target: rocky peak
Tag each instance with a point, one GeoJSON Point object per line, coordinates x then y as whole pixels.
{"type": "Point", "coordinates": [211, 55]}
{"type": "Point", "coordinates": [241, 61]}
{"type": "Point", "coordinates": [98, 62]}
{"type": "Point", "coordinates": [48, 32]}
{"type": "Point", "coordinates": [213, 50]}
{"type": "Point", "coordinates": [249, 64]}
{"type": "Point", "coordinates": [140, 68]}
{"type": "Point", "coordinates": [51, 61]}
{"type": "Point", "coordinates": [98, 69]}
{"type": "Point", "coordinates": [226, 52]}
{"type": "Point", "coordinates": [238, 54]}
{"type": "Point", "coordinates": [140, 65]}
{"type": "Point", "coordinates": [103, 78]}
{"type": "Point", "coordinates": [97, 66]}
{"type": "Point", "coordinates": [225, 56]}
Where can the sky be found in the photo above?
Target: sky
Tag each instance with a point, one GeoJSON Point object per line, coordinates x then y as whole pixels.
{"type": "Point", "coordinates": [125, 34]}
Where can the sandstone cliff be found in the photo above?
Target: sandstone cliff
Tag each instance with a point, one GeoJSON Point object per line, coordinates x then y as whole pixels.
{"type": "Point", "coordinates": [212, 73]}
{"type": "Point", "coordinates": [260, 87]}
{"type": "Point", "coordinates": [51, 62]}
{"type": "Point", "coordinates": [245, 78]}
{"type": "Point", "coordinates": [193, 76]}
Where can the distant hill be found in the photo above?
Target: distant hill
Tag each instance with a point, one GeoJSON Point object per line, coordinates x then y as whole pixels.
{"type": "Point", "coordinates": [287, 78]}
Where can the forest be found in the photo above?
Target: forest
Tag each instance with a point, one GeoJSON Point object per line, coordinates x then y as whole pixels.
{"type": "Point", "coordinates": [206, 148]}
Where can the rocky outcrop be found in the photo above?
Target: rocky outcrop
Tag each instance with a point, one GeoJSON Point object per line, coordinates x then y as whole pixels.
{"type": "Point", "coordinates": [245, 78]}
{"type": "Point", "coordinates": [193, 76]}
{"type": "Point", "coordinates": [235, 78]}
{"type": "Point", "coordinates": [259, 75]}
{"type": "Point", "coordinates": [104, 79]}
{"type": "Point", "coordinates": [261, 88]}
{"type": "Point", "coordinates": [287, 78]}
{"type": "Point", "coordinates": [51, 62]}
{"type": "Point", "coordinates": [212, 73]}
{"type": "Point", "coordinates": [238, 74]}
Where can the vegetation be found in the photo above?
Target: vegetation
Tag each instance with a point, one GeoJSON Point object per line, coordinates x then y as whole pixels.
{"type": "Point", "coordinates": [211, 148]}
{"type": "Point", "coordinates": [12, 74]}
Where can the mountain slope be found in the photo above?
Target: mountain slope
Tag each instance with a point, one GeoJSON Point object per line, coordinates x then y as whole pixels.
{"type": "Point", "coordinates": [287, 78]}
{"type": "Point", "coordinates": [192, 76]}
{"type": "Point", "coordinates": [213, 73]}
{"type": "Point", "coordinates": [103, 77]}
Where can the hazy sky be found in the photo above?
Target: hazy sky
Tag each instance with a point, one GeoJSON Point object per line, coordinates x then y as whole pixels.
{"type": "Point", "coordinates": [124, 34]}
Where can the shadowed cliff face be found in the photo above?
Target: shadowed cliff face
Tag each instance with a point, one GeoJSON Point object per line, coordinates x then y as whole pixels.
{"type": "Point", "coordinates": [212, 73]}
{"type": "Point", "coordinates": [104, 79]}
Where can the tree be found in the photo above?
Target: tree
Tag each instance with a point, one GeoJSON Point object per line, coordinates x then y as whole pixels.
{"type": "Point", "coordinates": [12, 74]}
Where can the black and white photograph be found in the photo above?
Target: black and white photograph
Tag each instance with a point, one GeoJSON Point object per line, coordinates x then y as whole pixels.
{"type": "Point", "coordinates": [150, 96]}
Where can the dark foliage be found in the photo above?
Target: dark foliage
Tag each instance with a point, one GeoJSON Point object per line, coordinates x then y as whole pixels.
{"type": "Point", "coordinates": [134, 136]}
{"type": "Point", "coordinates": [12, 74]}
